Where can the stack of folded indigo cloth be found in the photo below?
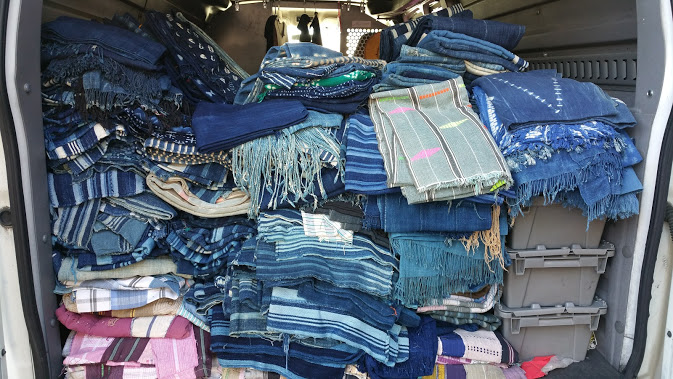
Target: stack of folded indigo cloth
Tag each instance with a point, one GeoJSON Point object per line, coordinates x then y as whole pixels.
{"type": "Point", "coordinates": [472, 353]}
{"type": "Point", "coordinates": [309, 297]}
{"type": "Point", "coordinates": [137, 210]}
{"type": "Point", "coordinates": [563, 140]}
{"type": "Point", "coordinates": [435, 48]}
{"type": "Point", "coordinates": [323, 80]}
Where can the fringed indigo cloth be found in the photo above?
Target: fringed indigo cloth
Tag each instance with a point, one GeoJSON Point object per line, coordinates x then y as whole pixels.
{"type": "Point", "coordinates": [587, 167]}
{"type": "Point", "coordinates": [394, 215]}
{"type": "Point", "coordinates": [220, 127]}
{"type": "Point", "coordinates": [471, 49]}
{"type": "Point", "coordinates": [542, 97]}
{"type": "Point", "coordinates": [432, 141]}
{"type": "Point", "coordinates": [96, 39]}
{"type": "Point", "coordinates": [341, 319]}
{"type": "Point", "coordinates": [204, 71]}
{"type": "Point", "coordinates": [287, 164]}
{"type": "Point", "coordinates": [422, 354]}
{"type": "Point", "coordinates": [433, 265]}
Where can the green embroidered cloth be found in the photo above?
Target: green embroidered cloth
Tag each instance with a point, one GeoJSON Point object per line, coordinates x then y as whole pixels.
{"type": "Point", "coordinates": [434, 146]}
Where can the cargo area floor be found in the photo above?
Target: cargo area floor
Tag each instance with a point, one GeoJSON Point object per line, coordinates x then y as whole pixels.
{"type": "Point", "coordinates": [595, 366]}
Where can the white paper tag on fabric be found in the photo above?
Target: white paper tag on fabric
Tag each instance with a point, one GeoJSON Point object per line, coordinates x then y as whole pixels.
{"type": "Point", "coordinates": [319, 225]}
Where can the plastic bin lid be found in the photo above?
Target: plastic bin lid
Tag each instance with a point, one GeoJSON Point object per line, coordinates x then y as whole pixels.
{"type": "Point", "coordinates": [605, 249]}
{"type": "Point", "coordinates": [599, 306]}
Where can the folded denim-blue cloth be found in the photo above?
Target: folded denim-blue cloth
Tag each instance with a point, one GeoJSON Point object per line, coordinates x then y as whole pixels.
{"type": "Point", "coordinates": [527, 99]}
{"type": "Point", "coordinates": [220, 127]}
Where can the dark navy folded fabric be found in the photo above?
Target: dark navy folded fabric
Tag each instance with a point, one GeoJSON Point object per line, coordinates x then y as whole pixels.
{"type": "Point", "coordinates": [220, 127]}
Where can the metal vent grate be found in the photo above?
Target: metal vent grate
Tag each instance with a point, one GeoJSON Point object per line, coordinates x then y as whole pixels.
{"type": "Point", "coordinates": [600, 70]}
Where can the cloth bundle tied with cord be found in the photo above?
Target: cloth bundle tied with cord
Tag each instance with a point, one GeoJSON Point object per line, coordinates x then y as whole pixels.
{"type": "Point", "coordinates": [434, 146]}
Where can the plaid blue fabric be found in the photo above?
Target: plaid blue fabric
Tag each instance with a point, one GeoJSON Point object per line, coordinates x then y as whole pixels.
{"type": "Point", "coordinates": [115, 294]}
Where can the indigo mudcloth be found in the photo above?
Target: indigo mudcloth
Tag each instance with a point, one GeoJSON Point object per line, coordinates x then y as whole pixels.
{"type": "Point", "coordinates": [495, 32]}
{"type": "Point", "coordinates": [471, 49]}
{"type": "Point", "coordinates": [290, 254]}
{"type": "Point", "coordinates": [432, 266]}
{"type": "Point", "coordinates": [342, 90]}
{"type": "Point", "coordinates": [288, 358]}
{"type": "Point", "coordinates": [396, 36]}
{"type": "Point", "coordinates": [524, 146]}
{"type": "Point", "coordinates": [101, 40]}
{"type": "Point", "coordinates": [532, 98]}
{"type": "Point", "coordinates": [64, 193]}
{"type": "Point", "coordinates": [395, 215]}
{"type": "Point", "coordinates": [291, 313]}
{"type": "Point", "coordinates": [428, 148]}
{"type": "Point", "coordinates": [220, 127]}
{"type": "Point", "coordinates": [331, 181]}
{"type": "Point", "coordinates": [203, 70]}
{"type": "Point", "coordinates": [364, 169]}
{"type": "Point", "coordinates": [422, 354]}
{"type": "Point", "coordinates": [291, 160]}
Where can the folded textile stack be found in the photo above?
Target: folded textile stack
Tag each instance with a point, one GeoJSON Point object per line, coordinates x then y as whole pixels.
{"type": "Point", "coordinates": [472, 353]}
{"type": "Point", "coordinates": [120, 150]}
{"type": "Point", "coordinates": [435, 48]}
{"type": "Point", "coordinates": [560, 148]}
{"type": "Point", "coordinates": [321, 79]}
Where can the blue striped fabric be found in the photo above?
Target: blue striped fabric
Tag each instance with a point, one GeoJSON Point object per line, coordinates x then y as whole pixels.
{"type": "Point", "coordinates": [73, 226]}
{"type": "Point", "coordinates": [293, 314]}
{"type": "Point", "coordinates": [365, 172]}
{"type": "Point", "coordinates": [80, 163]}
{"type": "Point", "coordinates": [202, 245]}
{"type": "Point", "coordinates": [362, 265]}
{"type": "Point", "coordinates": [63, 192]}
{"type": "Point", "coordinates": [289, 358]}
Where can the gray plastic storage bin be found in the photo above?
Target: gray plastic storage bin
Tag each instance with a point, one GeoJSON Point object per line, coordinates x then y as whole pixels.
{"type": "Point", "coordinates": [564, 330]}
{"type": "Point", "coordinates": [553, 226]}
{"type": "Point", "coordinates": [548, 277]}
